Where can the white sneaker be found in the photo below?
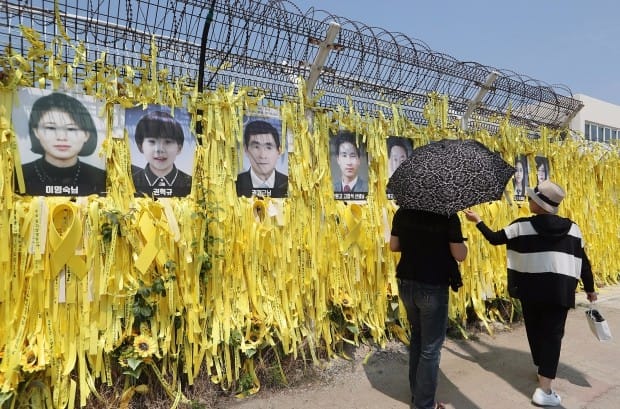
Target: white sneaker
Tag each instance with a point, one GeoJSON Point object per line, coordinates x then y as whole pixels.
{"type": "Point", "coordinates": [541, 398]}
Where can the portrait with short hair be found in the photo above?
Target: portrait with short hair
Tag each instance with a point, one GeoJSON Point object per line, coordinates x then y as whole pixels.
{"type": "Point", "coordinates": [349, 166]}
{"type": "Point", "coordinates": [398, 150]}
{"type": "Point", "coordinates": [59, 136]}
{"type": "Point", "coordinates": [162, 149]}
{"type": "Point", "coordinates": [265, 158]}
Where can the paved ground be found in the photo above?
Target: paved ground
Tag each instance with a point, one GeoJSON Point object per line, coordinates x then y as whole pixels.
{"type": "Point", "coordinates": [489, 372]}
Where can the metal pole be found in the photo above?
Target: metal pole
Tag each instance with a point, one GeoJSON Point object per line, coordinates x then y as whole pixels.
{"type": "Point", "coordinates": [475, 103]}
{"type": "Point", "coordinates": [201, 62]}
{"type": "Point", "coordinates": [325, 47]}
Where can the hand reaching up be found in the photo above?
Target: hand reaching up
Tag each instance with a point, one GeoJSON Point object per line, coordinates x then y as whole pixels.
{"type": "Point", "coordinates": [472, 216]}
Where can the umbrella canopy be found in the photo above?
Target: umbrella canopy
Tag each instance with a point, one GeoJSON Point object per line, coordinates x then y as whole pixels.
{"type": "Point", "coordinates": [450, 175]}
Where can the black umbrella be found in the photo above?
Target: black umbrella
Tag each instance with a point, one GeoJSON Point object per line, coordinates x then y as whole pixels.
{"type": "Point", "coordinates": [450, 175]}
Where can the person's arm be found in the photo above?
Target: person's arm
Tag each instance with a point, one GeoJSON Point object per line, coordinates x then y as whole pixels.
{"type": "Point", "coordinates": [395, 233]}
{"type": "Point", "coordinates": [458, 251]}
{"type": "Point", "coordinates": [587, 278]}
{"type": "Point", "coordinates": [394, 243]}
{"type": "Point", "coordinates": [493, 237]}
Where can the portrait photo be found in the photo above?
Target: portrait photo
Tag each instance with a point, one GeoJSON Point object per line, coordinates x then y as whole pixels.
{"type": "Point", "coordinates": [349, 166]}
{"type": "Point", "coordinates": [398, 150]}
{"type": "Point", "coordinates": [520, 179]}
{"type": "Point", "coordinates": [162, 149]}
{"type": "Point", "coordinates": [542, 169]}
{"type": "Point", "coordinates": [59, 137]}
{"type": "Point", "coordinates": [265, 156]}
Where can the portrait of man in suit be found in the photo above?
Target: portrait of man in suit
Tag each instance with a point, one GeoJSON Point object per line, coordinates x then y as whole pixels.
{"type": "Point", "coordinates": [348, 180]}
{"type": "Point", "coordinates": [398, 150]}
{"type": "Point", "coordinates": [262, 147]}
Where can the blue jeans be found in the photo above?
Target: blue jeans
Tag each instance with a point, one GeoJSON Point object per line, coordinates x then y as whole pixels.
{"type": "Point", "coordinates": [427, 312]}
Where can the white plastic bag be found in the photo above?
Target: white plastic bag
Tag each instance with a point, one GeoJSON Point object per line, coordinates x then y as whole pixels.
{"type": "Point", "coordinates": [598, 324]}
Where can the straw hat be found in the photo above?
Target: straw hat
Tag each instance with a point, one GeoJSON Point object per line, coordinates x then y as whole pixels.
{"type": "Point", "coordinates": [547, 195]}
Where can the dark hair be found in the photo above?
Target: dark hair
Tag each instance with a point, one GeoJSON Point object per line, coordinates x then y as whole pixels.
{"type": "Point", "coordinates": [541, 160]}
{"type": "Point", "coordinates": [260, 127]}
{"type": "Point", "coordinates": [345, 136]}
{"type": "Point", "coordinates": [523, 161]}
{"type": "Point", "coordinates": [396, 141]}
{"type": "Point", "coordinates": [158, 125]}
{"type": "Point", "coordinates": [72, 107]}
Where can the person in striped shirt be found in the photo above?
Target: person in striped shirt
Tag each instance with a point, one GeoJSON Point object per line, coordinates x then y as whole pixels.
{"type": "Point", "coordinates": [545, 260]}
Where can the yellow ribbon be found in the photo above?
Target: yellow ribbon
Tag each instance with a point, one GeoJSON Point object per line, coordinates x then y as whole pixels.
{"type": "Point", "coordinates": [65, 233]}
{"type": "Point", "coordinates": [353, 222]}
{"type": "Point", "coordinates": [148, 229]}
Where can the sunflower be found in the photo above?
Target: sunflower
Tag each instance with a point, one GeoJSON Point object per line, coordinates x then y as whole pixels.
{"type": "Point", "coordinates": [348, 314]}
{"type": "Point", "coordinates": [345, 300]}
{"type": "Point", "coordinates": [29, 361]}
{"type": "Point", "coordinates": [144, 346]}
{"type": "Point", "coordinates": [123, 361]}
{"type": "Point", "coordinates": [126, 352]}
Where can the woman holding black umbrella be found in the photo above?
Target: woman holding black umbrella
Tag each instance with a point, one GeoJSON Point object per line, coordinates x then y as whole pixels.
{"type": "Point", "coordinates": [430, 245]}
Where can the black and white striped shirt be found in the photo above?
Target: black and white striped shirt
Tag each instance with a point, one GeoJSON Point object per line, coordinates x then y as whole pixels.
{"type": "Point", "coordinates": [545, 258]}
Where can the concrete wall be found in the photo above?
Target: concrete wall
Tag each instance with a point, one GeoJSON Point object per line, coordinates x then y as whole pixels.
{"type": "Point", "coordinates": [597, 111]}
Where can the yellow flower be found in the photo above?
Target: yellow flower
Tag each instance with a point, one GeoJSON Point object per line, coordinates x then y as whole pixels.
{"type": "Point", "coordinates": [29, 361]}
{"type": "Point", "coordinates": [348, 314]}
{"type": "Point", "coordinates": [345, 300]}
{"type": "Point", "coordinates": [123, 362]}
{"type": "Point", "coordinates": [144, 346]}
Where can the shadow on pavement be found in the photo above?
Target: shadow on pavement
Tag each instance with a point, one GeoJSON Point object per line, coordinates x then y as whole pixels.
{"type": "Point", "coordinates": [515, 367]}
{"type": "Point", "coordinates": [387, 371]}
{"type": "Point", "coordinates": [388, 374]}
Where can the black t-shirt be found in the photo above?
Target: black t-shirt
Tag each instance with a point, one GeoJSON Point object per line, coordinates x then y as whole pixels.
{"type": "Point", "coordinates": [424, 242]}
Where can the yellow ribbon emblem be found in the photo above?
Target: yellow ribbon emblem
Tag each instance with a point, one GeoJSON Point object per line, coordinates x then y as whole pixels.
{"type": "Point", "coordinates": [65, 233]}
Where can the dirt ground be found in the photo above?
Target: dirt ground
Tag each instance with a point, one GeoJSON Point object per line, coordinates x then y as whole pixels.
{"type": "Point", "coordinates": [385, 369]}
{"type": "Point", "coordinates": [485, 371]}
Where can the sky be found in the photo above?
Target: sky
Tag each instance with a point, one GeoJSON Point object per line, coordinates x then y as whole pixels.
{"type": "Point", "coordinates": [574, 43]}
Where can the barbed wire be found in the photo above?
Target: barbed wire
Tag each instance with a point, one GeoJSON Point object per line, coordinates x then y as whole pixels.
{"type": "Point", "coordinates": [271, 43]}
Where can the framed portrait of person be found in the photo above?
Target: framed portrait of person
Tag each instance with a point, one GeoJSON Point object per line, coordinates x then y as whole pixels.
{"type": "Point", "coordinates": [162, 148]}
{"type": "Point", "coordinates": [348, 166]}
{"type": "Point", "coordinates": [59, 137]}
{"type": "Point", "coordinates": [264, 151]}
{"type": "Point", "coordinates": [542, 168]}
{"type": "Point", "coordinates": [398, 150]}
{"type": "Point", "coordinates": [520, 178]}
